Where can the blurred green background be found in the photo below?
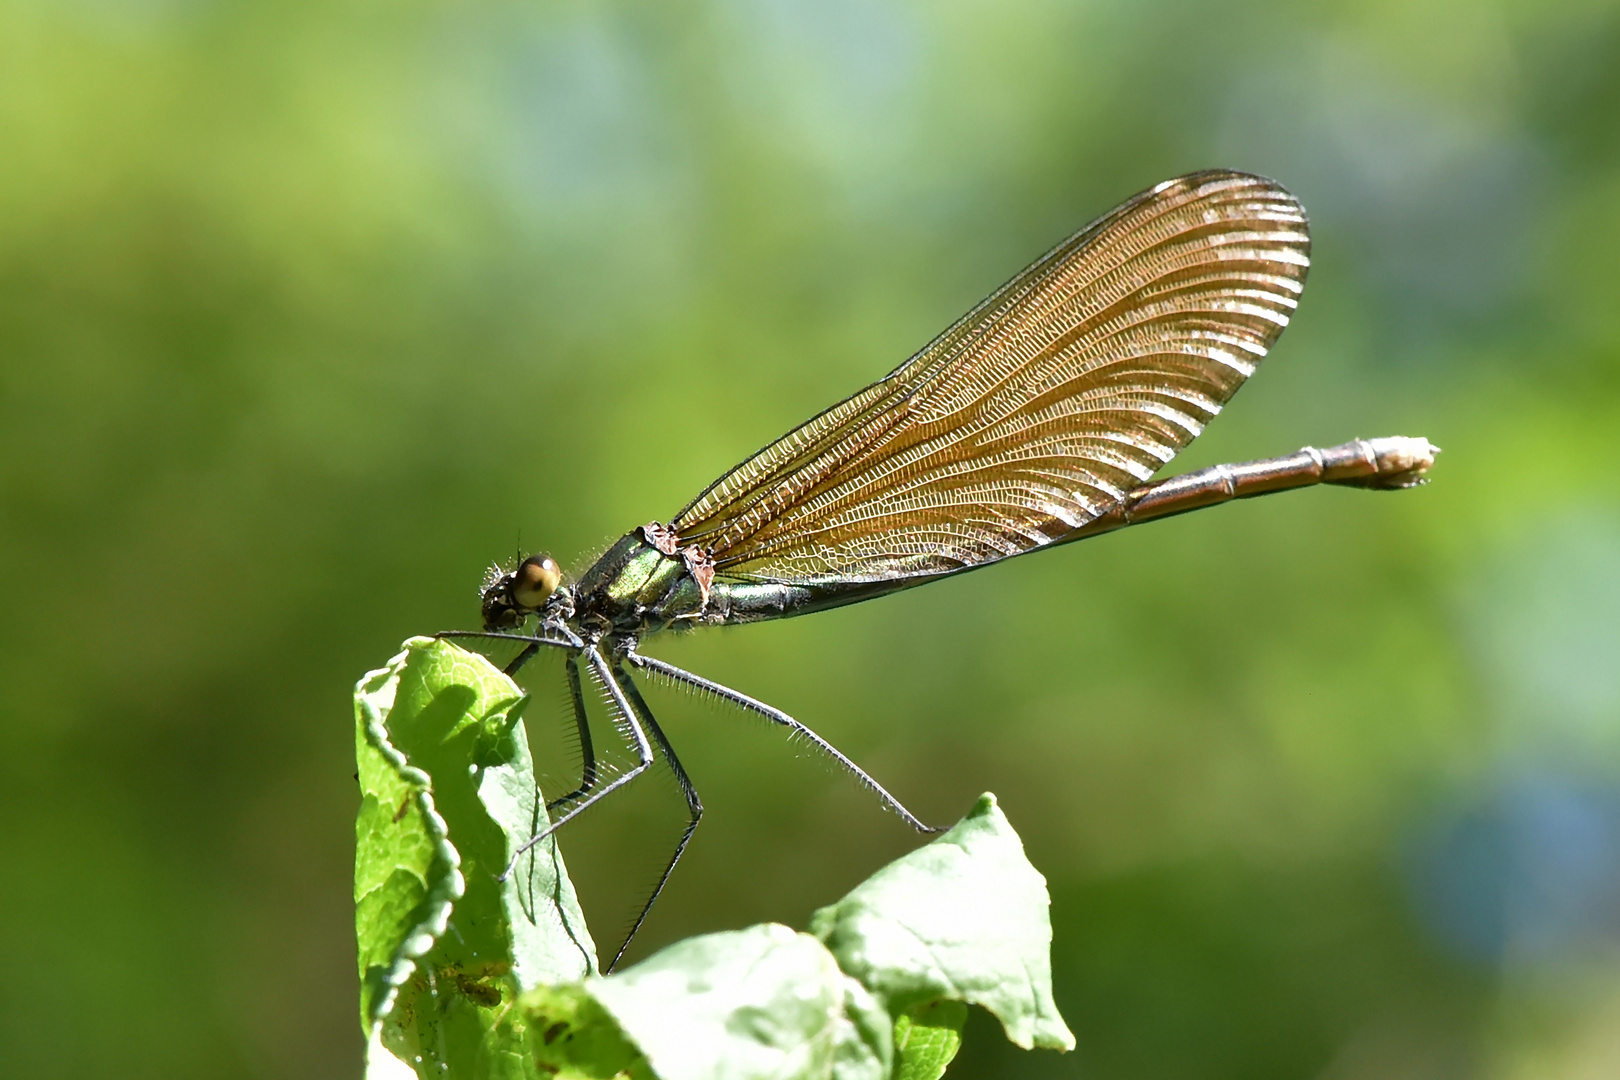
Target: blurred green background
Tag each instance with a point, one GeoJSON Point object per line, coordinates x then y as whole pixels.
{"type": "Point", "coordinates": [308, 311]}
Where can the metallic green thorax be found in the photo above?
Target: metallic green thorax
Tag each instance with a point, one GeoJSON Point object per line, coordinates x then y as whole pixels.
{"type": "Point", "coordinates": [635, 588]}
{"type": "Point", "coordinates": [638, 587]}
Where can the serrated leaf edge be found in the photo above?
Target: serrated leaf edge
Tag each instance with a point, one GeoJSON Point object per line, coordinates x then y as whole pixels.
{"type": "Point", "coordinates": [372, 690]}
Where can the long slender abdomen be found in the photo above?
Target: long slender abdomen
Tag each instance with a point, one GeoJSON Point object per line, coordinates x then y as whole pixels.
{"type": "Point", "coordinates": [1389, 463]}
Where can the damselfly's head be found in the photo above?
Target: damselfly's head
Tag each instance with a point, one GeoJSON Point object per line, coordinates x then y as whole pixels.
{"type": "Point", "coordinates": [510, 596]}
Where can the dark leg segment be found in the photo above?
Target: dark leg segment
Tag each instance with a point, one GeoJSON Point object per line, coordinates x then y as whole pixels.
{"type": "Point", "coordinates": [587, 750]}
{"type": "Point", "coordinates": [633, 734]}
{"type": "Point", "coordinates": [777, 716]}
{"type": "Point", "coordinates": [694, 806]}
{"type": "Point", "coordinates": [520, 659]}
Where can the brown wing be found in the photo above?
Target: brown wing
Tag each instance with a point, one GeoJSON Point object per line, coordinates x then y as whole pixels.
{"type": "Point", "coordinates": [1071, 384]}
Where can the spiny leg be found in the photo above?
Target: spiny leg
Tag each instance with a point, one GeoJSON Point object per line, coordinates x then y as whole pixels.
{"type": "Point", "coordinates": [694, 805]}
{"type": "Point", "coordinates": [633, 733]}
{"type": "Point", "coordinates": [777, 716]}
{"type": "Point", "coordinates": [531, 643]}
{"type": "Point", "coordinates": [587, 750]}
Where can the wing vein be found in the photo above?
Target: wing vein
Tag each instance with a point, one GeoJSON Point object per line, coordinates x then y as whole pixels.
{"type": "Point", "coordinates": [1032, 414]}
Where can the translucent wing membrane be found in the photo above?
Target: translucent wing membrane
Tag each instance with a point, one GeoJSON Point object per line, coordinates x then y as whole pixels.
{"type": "Point", "coordinates": [1038, 410]}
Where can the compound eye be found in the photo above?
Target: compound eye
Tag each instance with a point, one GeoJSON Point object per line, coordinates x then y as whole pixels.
{"type": "Point", "coordinates": [534, 581]}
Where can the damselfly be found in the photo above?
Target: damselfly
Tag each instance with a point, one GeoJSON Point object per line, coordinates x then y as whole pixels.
{"type": "Point", "coordinates": [1039, 418]}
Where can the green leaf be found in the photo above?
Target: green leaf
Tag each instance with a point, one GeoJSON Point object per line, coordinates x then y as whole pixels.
{"type": "Point", "coordinates": [569, 1035]}
{"type": "Point", "coordinates": [406, 873]}
{"type": "Point", "coordinates": [926, 1038]}
{"type": "Point", "coordinates": [963, 919]}
{"type": "Point", "coordinates": [448, 793]}
{"type": "Point", "coordinates": [466, 975]}
{"type": "Point", "coordinates": [766, 1002]}
{"type": "Point", "coordinates": [863, 1047]}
